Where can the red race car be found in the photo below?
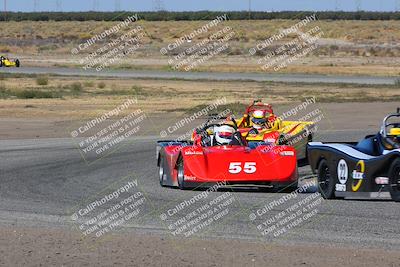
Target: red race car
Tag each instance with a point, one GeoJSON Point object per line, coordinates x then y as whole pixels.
{"type": "Point", "coordinates": [220, 154]}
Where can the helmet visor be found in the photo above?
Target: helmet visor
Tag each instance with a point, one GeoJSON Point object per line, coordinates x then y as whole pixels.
{"type": "Point", "coordinates": [259, 121]}
{"type": "Point", "coordinates": [225, 135]}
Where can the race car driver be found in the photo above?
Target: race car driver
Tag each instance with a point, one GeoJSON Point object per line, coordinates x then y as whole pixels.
{"type": "Point", "coordinates": [226, 135]}
{"type": "Point", "coordinates": [261, 121]}
{"type": "Point", "coordinates": [394, 137]}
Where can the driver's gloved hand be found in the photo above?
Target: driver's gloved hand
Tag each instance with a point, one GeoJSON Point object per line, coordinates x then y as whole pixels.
{"type": "Point", "coordinates": [397, 139]}
{"type": "Point", "coordinates": [253, 131]}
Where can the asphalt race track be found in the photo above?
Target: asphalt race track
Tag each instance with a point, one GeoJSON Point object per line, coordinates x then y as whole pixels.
{"type": "Point", "coordinates": [260, 77]}
{"type": "Point", "coordinates": [45, 181]}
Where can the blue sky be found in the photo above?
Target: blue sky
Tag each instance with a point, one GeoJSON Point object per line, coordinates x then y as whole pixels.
{"type": "Point", "coordinates": [217, 5]}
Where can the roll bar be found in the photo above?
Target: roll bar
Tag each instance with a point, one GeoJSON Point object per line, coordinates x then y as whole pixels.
{"type": "Point", "coordinates": [385, 123]}
{"type": "Point", "coordinates": [258, 104]}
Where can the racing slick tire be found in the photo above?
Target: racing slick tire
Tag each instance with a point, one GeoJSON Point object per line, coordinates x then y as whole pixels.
{"type": "Point", "coordinates": [181, 175]}
{"type": "Point", "coordinates": [17, 63]}
{"type": "Point", "coordinates": [161, 171]}
{"type": "Point", "coordinates": [394, 180]}
{"type": "Point", "coordinates": [1, 63]}
{"type": "Point", "coordinates": [326, 184]}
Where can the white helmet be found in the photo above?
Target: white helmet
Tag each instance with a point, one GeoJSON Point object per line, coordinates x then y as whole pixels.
{"type": "Point", "coordinates": [224, 134]}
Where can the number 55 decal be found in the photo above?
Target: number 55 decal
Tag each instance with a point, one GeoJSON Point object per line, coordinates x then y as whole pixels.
{"type": "Point", "coordinates": [248, 167]}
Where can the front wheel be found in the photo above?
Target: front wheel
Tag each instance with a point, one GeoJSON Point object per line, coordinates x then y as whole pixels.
{"type": "Point", "coordinates": [394, 180]}
{"type": "Point", "coordinates": [181, 175]}
{"type": "Point", "coordinates": [161, 171]}
{"type": "Point", "coordinates": [326, 185]}
{"type": "Point", "coordinates": [17, 63]}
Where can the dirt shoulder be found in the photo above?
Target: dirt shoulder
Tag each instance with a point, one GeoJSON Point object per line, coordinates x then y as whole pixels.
{"type": "Point", "coordinates": [21, 246]}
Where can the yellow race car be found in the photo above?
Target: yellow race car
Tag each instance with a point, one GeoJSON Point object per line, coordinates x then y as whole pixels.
{"type": "Point", "coordinates": [260, 124]}
{"type": "Point", "coordinates": [6, 62]}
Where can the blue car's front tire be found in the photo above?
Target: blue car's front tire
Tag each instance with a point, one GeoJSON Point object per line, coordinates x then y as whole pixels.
{"type": "Point", "coordinates": [326, 185]}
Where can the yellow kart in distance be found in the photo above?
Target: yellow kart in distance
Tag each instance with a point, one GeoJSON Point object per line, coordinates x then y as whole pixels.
{"type": "Point", "coordinates": [292, 133]}
{"type": "Point", "coordinates": [6, 62]}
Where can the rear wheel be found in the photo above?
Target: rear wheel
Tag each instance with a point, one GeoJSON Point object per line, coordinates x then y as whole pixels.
{"type": "Point", "coordinates": [161, 171]}
{"type": "Point", "coordinates": [326, 185]}
{"type": "Point", "coordinates": [17, 63]}
{"type": "Point", "coordinates": [394, 180]}
{"type": "Point", "coordinates": [181, 175]}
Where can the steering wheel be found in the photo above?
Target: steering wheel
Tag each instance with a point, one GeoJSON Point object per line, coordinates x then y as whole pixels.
{"type": "Point", "coordinates": [387, 141]}
{"type": "Point", "coordinates": [251, 131]}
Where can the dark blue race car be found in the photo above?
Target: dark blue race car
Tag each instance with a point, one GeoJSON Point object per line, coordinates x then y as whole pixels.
{"type": "Point", "coordinates": [367, 169]}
